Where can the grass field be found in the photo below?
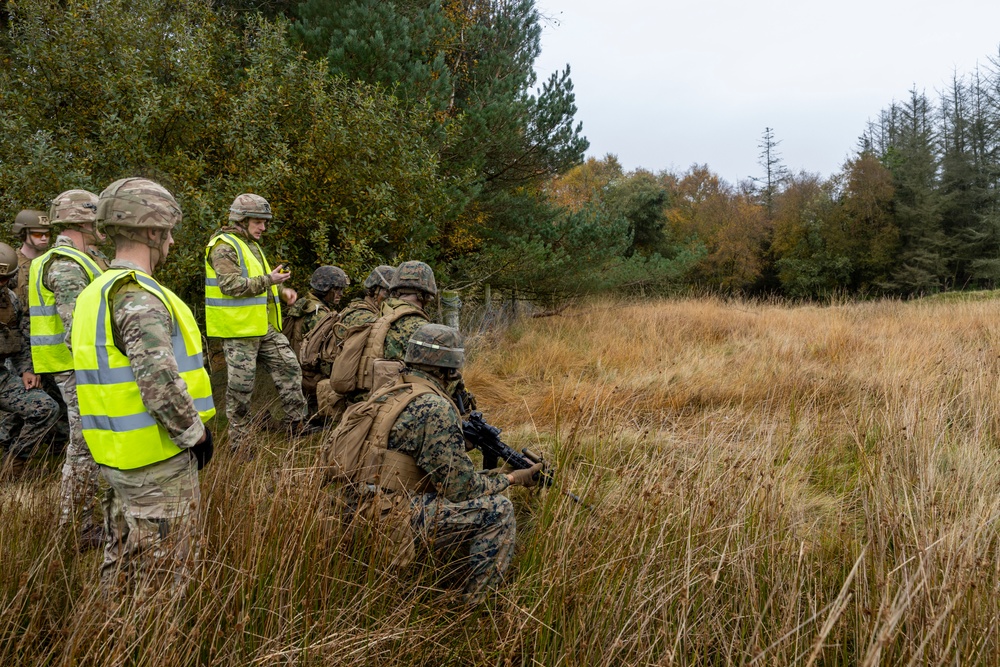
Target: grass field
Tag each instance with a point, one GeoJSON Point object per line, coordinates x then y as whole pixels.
{"type": "Point", "coordinates": [767, 485]}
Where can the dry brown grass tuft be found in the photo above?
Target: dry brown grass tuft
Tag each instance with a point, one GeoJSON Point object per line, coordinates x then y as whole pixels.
{"type": "Point", "coordinates": [768, 485]}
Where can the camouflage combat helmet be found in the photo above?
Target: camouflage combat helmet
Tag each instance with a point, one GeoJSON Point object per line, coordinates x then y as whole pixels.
{"type": "Point", "coordinates": [27, 220]}
{"type": "Point", "coordinates": [436, 345]}
{"type": "Point", "coordinates": [381, 276]}
{"type": "Point", "coordinates": [73, 207]}
{"type": "Point", "coordinates": [414, 275]}
{"type": "Point", "coordinates": [249, 206]}
{"type": "Point", "coordinates": [326, 278]}
{"type": "Point", "coordinates": [8, 261]}
{"type": "Point", "coordinates": [137, 203]}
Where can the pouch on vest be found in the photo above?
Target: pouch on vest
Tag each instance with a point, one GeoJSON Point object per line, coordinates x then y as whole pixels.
{"type": "Point", "coordinates": [361, 346]}
{"type": "Point", "coordinates": [386, 372]}
{"type": "Point", "coordinates": [330, 404]}
{"type": "Point", "coordinates": [347, 455]}
{"type": "Point", "coordinates": [344, 375]}
{"type": "Point", "coordinates": [386, 518]}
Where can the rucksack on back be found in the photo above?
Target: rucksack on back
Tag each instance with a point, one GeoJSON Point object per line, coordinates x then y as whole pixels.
{"type": "Point", "coordinates": [320, 345]}
{"type": "Point", "coordinates": [346, 455]}
{"type": "Point", "coordinates": [361, 346]}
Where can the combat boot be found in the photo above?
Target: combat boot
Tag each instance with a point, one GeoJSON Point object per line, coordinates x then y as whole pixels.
{"type": "Point", "coordinates": [303, 428]}
{"type": "Point", "coordinates": [91, 537]}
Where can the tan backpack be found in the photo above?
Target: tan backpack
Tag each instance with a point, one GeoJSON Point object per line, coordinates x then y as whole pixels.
{"type": "Point", "coordinates": [320, 345]}
{"type": "Point", "coordinates": [361, 346]}
{"type": "Point", "coordinates": [356, 452]}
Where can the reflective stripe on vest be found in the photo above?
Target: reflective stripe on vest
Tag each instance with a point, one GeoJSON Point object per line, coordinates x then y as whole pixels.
{"type": "Point", "coordinates": [228, 317]}
{"type": "Point", "coordinates": [49, 353]}
{"type": "Point", "coordinates": [118, 428]}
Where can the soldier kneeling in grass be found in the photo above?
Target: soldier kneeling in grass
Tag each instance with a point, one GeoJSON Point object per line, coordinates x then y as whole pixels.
{"type": "Point", "coordinates": [402, 459]}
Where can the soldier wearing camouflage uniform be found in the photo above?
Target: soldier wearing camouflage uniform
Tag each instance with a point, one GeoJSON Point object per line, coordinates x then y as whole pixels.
{"type": "Point", "coordinates": [36, 408]}
{"type": "Point", "coordinates": [450, 503]}
{"type": "Point", "coordinates": [363, 311]}
{"type": "Point", "coordinates": [34, 230]}
{"type": "Point", "coordinates": [326, 287]}
{"type": "Point", "coordinates": [144, 395]}
{"type": "Point", "coordinates": [412, 287]}
{"type": "Point", "coordinates": [243, 307]}
{"type": "Point", "coordinates": [55, 281]}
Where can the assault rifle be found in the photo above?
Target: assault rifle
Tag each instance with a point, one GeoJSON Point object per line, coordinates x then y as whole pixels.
{"type": "Point", "coordinates": [486, 438]}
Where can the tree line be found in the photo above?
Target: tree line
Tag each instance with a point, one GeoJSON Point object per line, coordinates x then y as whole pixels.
{"type": "Point", "coordinates": [383, 130]}
{"type": "Point", "coordinates": [378, 131]}
{"type": "Point", "coordinates": [915, 210]}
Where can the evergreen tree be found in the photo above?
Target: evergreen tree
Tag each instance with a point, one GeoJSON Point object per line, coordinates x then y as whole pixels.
{"type": "Point", "coordinates": [966, 198]}
{"type": "Point", "coordinates": [473, 63]}
{"type": "Point", "coordinates": [913, 160]}
{"type": "Point", "coordinates": [775, 172]}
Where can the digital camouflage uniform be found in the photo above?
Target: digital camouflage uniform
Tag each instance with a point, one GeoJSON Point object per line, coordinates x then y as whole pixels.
{"type": "Point", "coordinates": [9, 422]}
{"type": "Point", "coordinates": [151, 513]}
{"type": "Point", "coordinates": [359, 311]}
{"type": "Point", "coordinates": [301, 317]}
{"type": "Point", "coordinates": [467, 507]}
{"type": "Point", "coordinates": [37, 410]}
{"type": "Point", "coordinates": [271, 350]}
{"type": "Point", "coordinates": [401, 330]}
{"type": "Point", "coordinates": [65, 278]}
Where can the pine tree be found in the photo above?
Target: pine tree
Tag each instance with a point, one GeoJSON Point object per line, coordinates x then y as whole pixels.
{"type": "Point", "coordinates": [966, 197]}
{"type": "Point", "coordinates": [473, 63]}
{"type": "Point", "coordinates": [775, 172]}
{"type": "Point", "coordinates": [913, 160]}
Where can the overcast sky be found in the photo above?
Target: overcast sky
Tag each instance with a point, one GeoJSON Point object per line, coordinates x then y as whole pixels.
{"type": "Point", "coordinates": [664, 85]}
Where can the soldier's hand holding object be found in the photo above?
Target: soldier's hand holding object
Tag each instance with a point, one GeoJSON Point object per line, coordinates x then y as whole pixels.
{"type": "Point", "coordinates": [279, 274]}
{"type": "Point", "coordinates": [527, 476]}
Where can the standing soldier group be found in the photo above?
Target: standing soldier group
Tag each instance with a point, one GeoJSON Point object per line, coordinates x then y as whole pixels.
{"type": "Point", "coordinates": [126, 355]}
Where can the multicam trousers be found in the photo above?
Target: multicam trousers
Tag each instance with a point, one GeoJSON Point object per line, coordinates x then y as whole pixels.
{"type": "Point", "coordinates": [274, 353]}
{"type": "Point", "coordinates": [151, 519]}
{"type": "Point", "coordinates": [78, 488]}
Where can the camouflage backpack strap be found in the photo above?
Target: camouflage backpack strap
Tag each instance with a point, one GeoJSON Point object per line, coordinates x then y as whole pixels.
{"type": "Point", "coordinates": [375, 346]}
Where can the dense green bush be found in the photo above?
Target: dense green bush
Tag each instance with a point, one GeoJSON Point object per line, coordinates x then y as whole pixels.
{"type": "Point", "coordinates": [91, 93]}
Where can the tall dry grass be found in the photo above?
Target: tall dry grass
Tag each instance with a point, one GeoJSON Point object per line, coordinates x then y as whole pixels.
{"type": "Point", "coordinates": [767, 485]}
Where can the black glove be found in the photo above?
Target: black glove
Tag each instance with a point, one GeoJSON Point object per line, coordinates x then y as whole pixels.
{"type": "Point", "coordinates": [203, 450]}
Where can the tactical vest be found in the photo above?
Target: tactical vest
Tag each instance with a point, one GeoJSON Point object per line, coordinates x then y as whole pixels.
{"type": "Point", "coordinates": [49, 353]}
{"type": "Point", "coordinates": [118, 428]}
{"type": "Point", "coordinates": [229, 317]}
{"type": "Point", "coordinates": [362, 346]}
{"type": "Point", "coordinates": [359, 447]}
{"type": "Point", "coordinates": [10, 335]}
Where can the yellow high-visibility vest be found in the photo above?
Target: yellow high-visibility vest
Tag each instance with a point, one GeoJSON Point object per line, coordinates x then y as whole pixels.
{"type": "Point", "coordinates": [228, 317]}
{"type": "Point", "coordinates": [118, 428]}
{"type": "Point", "coordinates": [49, 353]}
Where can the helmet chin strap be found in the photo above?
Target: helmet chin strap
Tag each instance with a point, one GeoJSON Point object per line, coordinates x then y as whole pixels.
{"type": "Point", "coordinates": [156, 257]}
